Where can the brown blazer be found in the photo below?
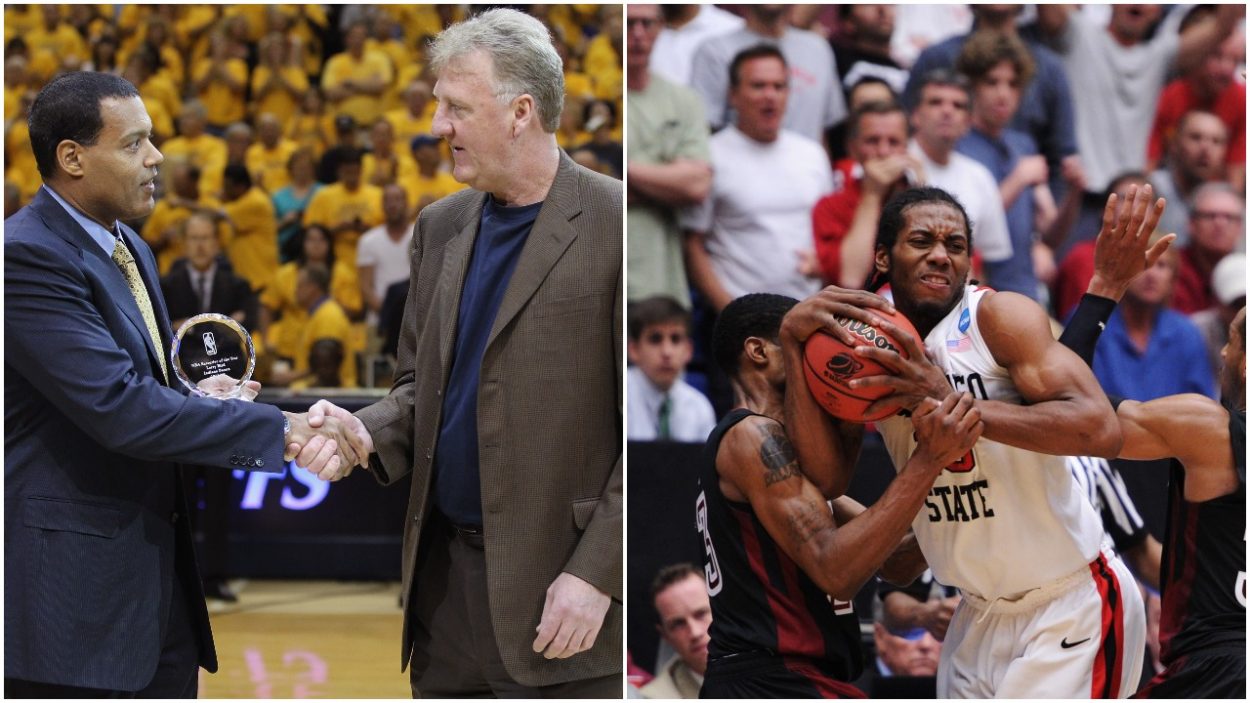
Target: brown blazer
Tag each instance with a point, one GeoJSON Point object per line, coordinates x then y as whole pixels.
{"type": "Point", "coordinates": [549, 410]}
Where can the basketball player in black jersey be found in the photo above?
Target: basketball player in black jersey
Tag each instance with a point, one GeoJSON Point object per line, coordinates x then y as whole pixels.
{"type": "Point", "coordinates": [1203, 625]}
{"type": "Point", "coordinates": [775, 553]}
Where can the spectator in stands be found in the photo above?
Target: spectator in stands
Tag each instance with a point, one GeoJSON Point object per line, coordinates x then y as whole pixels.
{"type": "Point", "coordinates": [1213, 86]}
{"type": "Point", "coordinates": [290, 201]}
{"type": "Point", "coordinates": [268, 158]}
{"type": "Point", "coordinates": [346, 208]}
{"type": "Point", "coordinates": [1077, 267]}
{"type": "Point", "coordinates": [917, 27]}
{"type": "Point", "coordinates": [238, 138]}
{"type": "Point", "coordinates": [939, 120]}
{"type": "Point", "coordinates": [816, 103]}
{"type": "Point", "coordinates": [345, 140]}
{"type": "Point", "coordinates": [416, 116]}
{"type": "Point", "coordinates": [278, 81]}
{"type": "Point", "coordinates": [912, 652]}
{"type": "Point", "coordinates": [312, 127]}
{"type": "Point", "coordinates": [600, 123]}
{"type": "Point", "coordinates": [194, 145]}
{"type": "Point", "coordinates": [325, 363]}
{"type": "Point", "coordinates": [1149, 350]}
{"type": "Point", "coordinates": [661, 405]}
{"type": "Point", "coordinates": [862, 47]}
{"type": "Point", "coordinates": [355, 80]}
{"type": "Point", "coordinates": [753, 233]}
{"type": "Point", "coordinates": [325, 320]}
{"type": "Point", "coordinates": [202, 283]}
{"type": "Point", "coordinates": [253, 244]}
{"type": "Point", "coordinates": [220, 82]}
{"type": "Point", "coordinates": [1216, 229]}
{"type": "Point", "coordinates": [1045, 112]}
{"type": "Point", "coordinates": [385, 164]}
{"type": "Point", "coordinates": [1228, 282]}
{"type": "Point", "coordinates": [685, 28]}
{"type": "Point", "coordinates": [679, 594]}
{"type": "Point", "coordinates": [282, 318]}
{"type": "Point", "coordinates": [999, 66]}
{"type": "Point", "coordinates": [431, 180]}
{"type": "Point", "coordinates": [384, 252]}
{"type": "Point", "coordinates": [162, 229]}
{"type": "Point", "coordinates": [668, 163]}
{"type": "Point", "coordinates": [1117, 72]}
{"type": "Point", "coordinates": [844, 223]}
{"type": "Point", "coordinates": [1195, 156]}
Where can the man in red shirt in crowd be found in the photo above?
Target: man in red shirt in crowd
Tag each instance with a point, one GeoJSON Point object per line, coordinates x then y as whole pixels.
{"type": "Point", "coordinates": [844, 223]}
{"type": "Point", "coordinates": [1215, 228]}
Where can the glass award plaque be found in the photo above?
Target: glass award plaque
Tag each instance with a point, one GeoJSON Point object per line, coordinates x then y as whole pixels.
{"type": "Point", "coordinates": [213, 356]}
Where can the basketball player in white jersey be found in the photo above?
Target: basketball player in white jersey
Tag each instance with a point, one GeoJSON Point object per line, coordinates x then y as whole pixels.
{"type": "Point", "coordinates": [1048, 609]}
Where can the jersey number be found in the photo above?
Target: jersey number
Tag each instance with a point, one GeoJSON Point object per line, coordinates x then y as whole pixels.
{"type": "Point", "coordinates": [711, 569]}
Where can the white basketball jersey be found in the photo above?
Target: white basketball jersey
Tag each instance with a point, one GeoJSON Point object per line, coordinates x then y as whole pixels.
{"type": "Point", "coordinates": [1002, 520]}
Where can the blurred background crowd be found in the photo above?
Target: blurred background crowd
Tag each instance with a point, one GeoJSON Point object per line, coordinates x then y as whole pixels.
{"type": "Point", "coordinates": [763, 141]}
{"type": "Point", "coordinates": [299, 150]}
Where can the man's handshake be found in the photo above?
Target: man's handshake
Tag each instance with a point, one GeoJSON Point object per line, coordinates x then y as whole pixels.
{"type": "Point", "coordinates": [327, 441]}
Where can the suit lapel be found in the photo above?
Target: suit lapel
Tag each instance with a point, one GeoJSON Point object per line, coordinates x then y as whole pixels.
{"type": "Point", "coordinates": [550, 236]}
{"type": "Point", "coordinates": [107, 271]}
{"type": "Point", "coordinates": [456, 255]}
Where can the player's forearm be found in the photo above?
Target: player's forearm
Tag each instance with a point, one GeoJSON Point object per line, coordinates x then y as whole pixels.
{"type": "Point", "coordinates": [854, 552]}
{"type": "Point", "coordinates": [679, 183]}
{"type": "Point", "coordinates": [905, 564]}
{"type": "Point", "coordinates": [822, 457]}
{"type": "Point", "coordinates": [1065, 427]}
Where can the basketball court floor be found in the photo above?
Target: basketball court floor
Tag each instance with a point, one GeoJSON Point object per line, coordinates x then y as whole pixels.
{"type": "Point", "coordinates": [307, 639]}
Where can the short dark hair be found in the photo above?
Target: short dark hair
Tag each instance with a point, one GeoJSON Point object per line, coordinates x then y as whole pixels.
{"type": "Point", "coordinates": [68, 107]}
{"type": "Point", "coordinates": [944, 77]}
{"type": "Point", "coordinates": [655, 310]}
{"type": "Point", "coordinates": [672, 574]}
{"type": "Point", "coordinates": [350, 156]}
{"type": "Point", "coordinates": [875, 107]}
{"type": "Point", "coordinates": [752, 315]}
{"type": "Point", "coordinates": [985, 49]}
{"type": "Point", "coordinates": [894, 218]}
{"type": "Point", "coordinates": [759, 51]}
{"type": "Point", "coordinates": [237, 174]}
{"type": "Point", "coordinates": [318, 275]}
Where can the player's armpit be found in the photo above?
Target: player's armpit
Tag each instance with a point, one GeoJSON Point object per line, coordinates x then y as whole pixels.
{"type": "Point", "coordinates": [1190, 427]}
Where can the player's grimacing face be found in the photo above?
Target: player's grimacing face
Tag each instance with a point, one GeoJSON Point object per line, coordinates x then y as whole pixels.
{"type": "Point", "coordinates": [929, 263]}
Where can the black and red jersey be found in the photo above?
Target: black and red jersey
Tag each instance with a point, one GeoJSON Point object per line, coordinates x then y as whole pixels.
{"type": "Point", "coordinates": [762, 602]}
{"type": "Point", "coordinates": [1203, 577]}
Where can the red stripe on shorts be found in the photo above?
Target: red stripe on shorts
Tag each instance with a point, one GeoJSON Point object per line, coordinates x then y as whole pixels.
{"type": "Point", "coordinates": [1109, 661]}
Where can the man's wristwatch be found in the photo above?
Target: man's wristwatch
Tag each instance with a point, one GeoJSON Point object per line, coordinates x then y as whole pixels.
{"type": "Point", "coordinates": [286, 427]}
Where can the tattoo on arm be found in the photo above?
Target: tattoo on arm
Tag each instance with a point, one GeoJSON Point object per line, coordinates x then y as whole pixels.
{"type": "Point", "coordinates": [777, 453]}
{"type": "Point", "coordinates": [809, 521]}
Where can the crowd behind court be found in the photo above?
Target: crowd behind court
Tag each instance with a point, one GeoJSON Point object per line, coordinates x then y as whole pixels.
{"type": "Point", "coordinates": [299, 148]}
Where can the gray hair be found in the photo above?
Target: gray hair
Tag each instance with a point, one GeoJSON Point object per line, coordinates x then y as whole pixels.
{"type": "Point", "coordinates": [1213, 187]}
{"type": "Point", "coordinates": [520, 48]}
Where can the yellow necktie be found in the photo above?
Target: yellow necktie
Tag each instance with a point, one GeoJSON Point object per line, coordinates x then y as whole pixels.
{"type": "Point", "coordinates": [126, 262]}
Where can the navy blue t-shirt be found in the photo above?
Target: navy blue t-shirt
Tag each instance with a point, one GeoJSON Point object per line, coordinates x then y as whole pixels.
{"type": "Point", "coordinates": [501, 236]}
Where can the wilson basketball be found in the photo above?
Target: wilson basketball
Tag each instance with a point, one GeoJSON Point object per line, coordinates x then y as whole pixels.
{"type": "Point", "coordinates": [830, 365]}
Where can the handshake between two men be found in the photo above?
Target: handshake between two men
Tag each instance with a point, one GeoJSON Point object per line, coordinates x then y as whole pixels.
{"type": "Point", "coordinates": [328, 441]}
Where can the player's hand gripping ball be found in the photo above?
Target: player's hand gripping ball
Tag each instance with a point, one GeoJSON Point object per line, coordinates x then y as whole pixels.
{"type": "Point", "coordinates": [830, 365]}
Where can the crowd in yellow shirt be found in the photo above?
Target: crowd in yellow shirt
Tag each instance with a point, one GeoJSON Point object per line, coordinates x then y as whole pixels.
{"type": "Point", "coordinates": [261, 91]}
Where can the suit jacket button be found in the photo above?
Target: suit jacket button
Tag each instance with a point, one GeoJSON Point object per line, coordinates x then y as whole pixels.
{"type": "Point", "coordinates": [260, 463]}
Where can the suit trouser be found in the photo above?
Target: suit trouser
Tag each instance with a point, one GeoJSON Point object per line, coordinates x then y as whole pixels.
{"type": "Point", "coordinates": [454, 652]}
{"type": "Point", "coordinates": [177, 671]}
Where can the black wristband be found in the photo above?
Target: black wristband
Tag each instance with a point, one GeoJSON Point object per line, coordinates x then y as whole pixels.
{"type": "Point", "coordinates": [1086, 326]}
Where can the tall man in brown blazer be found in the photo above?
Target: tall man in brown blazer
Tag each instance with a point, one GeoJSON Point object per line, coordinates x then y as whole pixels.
{"type": "Point", "coordinates": [506, 407]}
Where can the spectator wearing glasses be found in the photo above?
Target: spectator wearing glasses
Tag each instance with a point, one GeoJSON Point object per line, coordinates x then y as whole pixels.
{"type": "Point", "coordinates": [1215, 230]}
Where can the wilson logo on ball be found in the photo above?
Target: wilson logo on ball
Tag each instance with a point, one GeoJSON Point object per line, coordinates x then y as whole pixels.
{"type": "Point", "coordinates": [843, 367]}
{"type": "Point", "coordinates": [868, 333]}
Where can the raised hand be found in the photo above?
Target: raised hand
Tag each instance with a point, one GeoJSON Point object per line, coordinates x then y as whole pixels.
{"type": "Point", "coordinates": [946, 431]}
{"type": "Point", "coordinates": [572, 615]}
{"type": "Point", "coordinates": [1123, 250]}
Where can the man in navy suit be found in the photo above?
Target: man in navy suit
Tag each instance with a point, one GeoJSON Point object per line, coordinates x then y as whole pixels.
{"type": "Point", "coordinates": [101, 592]}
